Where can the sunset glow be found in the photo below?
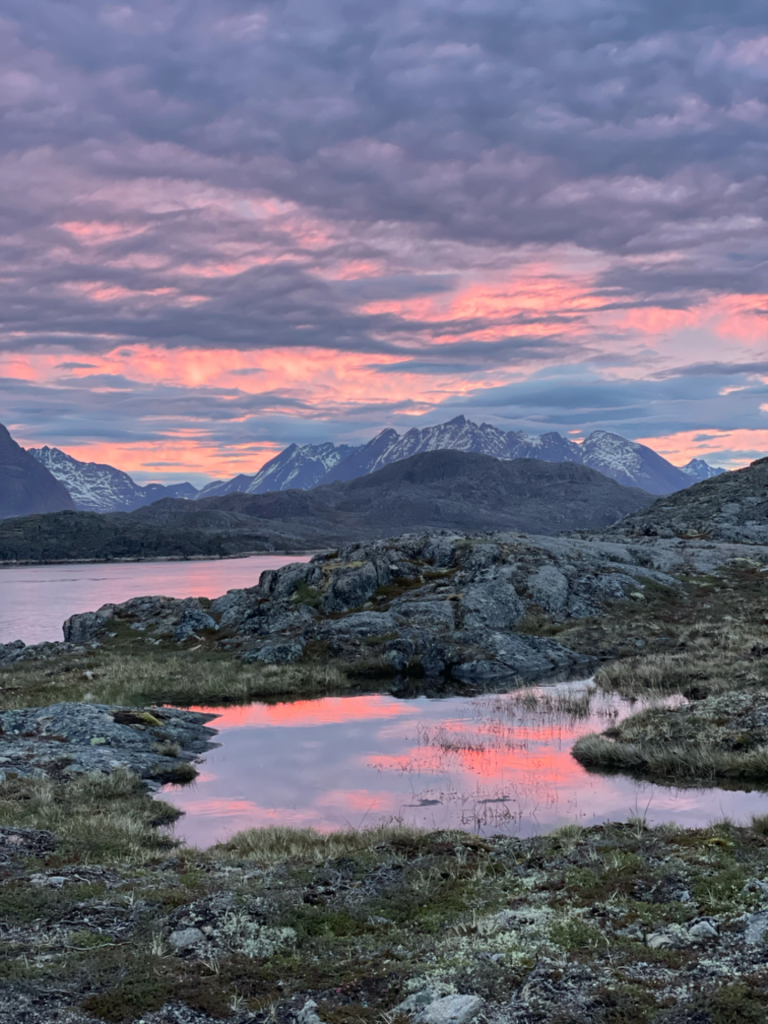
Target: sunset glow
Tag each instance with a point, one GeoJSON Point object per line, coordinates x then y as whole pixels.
{"type": "Point", "coordinates": [194, 279]}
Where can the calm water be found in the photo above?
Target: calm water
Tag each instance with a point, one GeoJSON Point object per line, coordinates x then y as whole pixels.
{"type": "Point", "coordinates": [487, 764]}
{"type": "Point", "coordinates": [34, 602]}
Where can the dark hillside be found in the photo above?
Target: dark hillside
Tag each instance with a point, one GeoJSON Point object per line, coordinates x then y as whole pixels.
{"type": "Point", "coordinates": [26, 486]}
{"type": "Point", "coordinates": [444, 489]}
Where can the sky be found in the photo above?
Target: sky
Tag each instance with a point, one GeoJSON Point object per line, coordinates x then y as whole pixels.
{"type": "Point", "coordinates": [226, 226]}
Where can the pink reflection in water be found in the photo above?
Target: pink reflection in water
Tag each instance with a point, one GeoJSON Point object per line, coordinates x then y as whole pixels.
{"type": "Point", "coordinates": [35, 600]}
{"type": "Point", "coordinates": [488, 764]}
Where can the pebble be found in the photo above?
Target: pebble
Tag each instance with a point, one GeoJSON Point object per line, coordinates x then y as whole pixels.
{"type": "Point", "coordinates": [702, 931]}
{"type": "Point", "coordinates": [757, 926]}
{"type": "Point", "coordinates": [459, 1009]}
{"type": "Point", "coordinates": [186, 937]}
{"type": "Point", "coordinates": [308, 1013]}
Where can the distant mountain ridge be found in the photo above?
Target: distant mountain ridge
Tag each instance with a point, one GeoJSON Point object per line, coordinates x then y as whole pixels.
{"type": "Point", "coordinates": [102, 488]}
{"type": "Point", "coordinates": [26, 487]}
{"type": "Point", "coordinates": [95, 487]}
{"type": "Point", "coordinates": [627, 462]}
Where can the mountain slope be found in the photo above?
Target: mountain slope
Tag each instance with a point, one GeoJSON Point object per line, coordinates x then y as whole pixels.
{"type": "Point", "coordinates": [728, 507]}
{"type": "Point", "coordinates": [456, 490]}
{"type": "Point", "coordinates": [631, 464]}
{"type": "Point", "coordinates": [100, 488]}
{"type": "Point", "coordinates": [27, 487]}
{"type": "Point", "coordinates": [301, 466]}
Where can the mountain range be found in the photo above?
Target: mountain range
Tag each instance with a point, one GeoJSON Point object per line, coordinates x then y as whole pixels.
{"type": "Point", "coordinates": [461, 491]}
{"type": "Point", "coordinates": [627, 462]}
{"type": "Point", "coordinates": [97, 487]}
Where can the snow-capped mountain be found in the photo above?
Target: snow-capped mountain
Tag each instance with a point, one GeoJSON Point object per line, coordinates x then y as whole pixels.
{"type": "Point", "coordinates": [389, 446]}
{"type": "Point", "coordinates": [300, 466]}
{"type": "Point", "coordinates": [628, 462]}
{"type": "Point", "coordinates": [100, 488]}
{"type": "Point", "coordinates": [551, 447]}
{"type": "Point", "coordinates": [698, 469]}
{"type": "Point", "coordinates": [631, 464]}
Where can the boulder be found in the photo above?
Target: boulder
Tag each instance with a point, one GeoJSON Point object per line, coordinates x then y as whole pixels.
{"type": "Point", "coordinates": [80, 628]}
{"type": "Point", "coordinates": [275, 653]}
{"type": "Point", "coordinates": [350, 588]}
{"type": "Point", "coordinates": [186, 938]}
{"type": "Point", "coordinates": [549, 589]}
{"type": "Point", "coordinates": [492, 604]}
{"type": "Point", "coordinates": [192, 622]}
{"type": "Point", "coordinates": [457, 1009]}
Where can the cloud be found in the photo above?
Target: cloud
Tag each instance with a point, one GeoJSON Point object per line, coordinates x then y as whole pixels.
{"type": "Point", "coordinates": [363, 216]}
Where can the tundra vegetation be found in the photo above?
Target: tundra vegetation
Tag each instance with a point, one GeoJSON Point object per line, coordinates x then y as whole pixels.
{"type": "Point", "coordinates": [106, 918]}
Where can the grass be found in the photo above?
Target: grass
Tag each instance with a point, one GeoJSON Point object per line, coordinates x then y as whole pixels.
{"type": "Point", "coordinates": [723, 737]}
{"type": "Point", "coordinates": [552, 702]}
{"type": "Point", "coordinates": [95, 816]}
{"type": "Point", "coordinates": [272, 845]}
{"type": "Point", "coordinates": [170, 678]}
{"type": "Point", "coordinates": [360, 919]}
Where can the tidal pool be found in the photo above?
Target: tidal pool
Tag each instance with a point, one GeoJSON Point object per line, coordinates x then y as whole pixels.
{"type": "Point", "coordinates": [498, 763]}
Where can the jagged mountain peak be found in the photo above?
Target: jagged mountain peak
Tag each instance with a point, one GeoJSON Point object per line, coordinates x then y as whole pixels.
{"type": "Point", "coordinates": [698, 469]}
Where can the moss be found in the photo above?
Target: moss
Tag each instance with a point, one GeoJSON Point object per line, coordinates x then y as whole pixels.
{"type": "Point", "coordinates": [140, 992]}
{"type": "Point", "coordinates": [304, 594]}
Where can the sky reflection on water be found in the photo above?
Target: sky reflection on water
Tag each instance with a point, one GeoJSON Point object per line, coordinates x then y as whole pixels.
{"type": "Point", "coordinates": [487, 764]}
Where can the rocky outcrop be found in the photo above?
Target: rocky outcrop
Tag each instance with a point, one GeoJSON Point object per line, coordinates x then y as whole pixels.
{"type": "Point", "coordinates": [159, 616]}
{"type": "Point", "coordinates": [732, 507]}
{"type": "Point", "coordinates": [70, 739]}
{"type": "Point", "coordinates": [441, 604]}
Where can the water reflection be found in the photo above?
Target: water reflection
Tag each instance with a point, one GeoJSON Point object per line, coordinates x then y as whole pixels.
{"type": "Point", "coordinates": [498, 763]}
{"type": "Point", "coordinates": [35, 600]}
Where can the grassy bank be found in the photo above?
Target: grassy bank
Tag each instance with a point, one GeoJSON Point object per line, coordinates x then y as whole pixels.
{"type": "Point", "coordinates": [165, 677]}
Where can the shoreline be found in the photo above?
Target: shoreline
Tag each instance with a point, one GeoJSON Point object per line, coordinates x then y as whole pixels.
{"type": "Point", "coordinates": [31, 563]}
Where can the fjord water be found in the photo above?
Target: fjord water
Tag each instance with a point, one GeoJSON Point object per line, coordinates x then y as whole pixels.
{"type": "Point", "coordinates": [488, 764]}
{"type": "Point", "coordinates": [35, 600]}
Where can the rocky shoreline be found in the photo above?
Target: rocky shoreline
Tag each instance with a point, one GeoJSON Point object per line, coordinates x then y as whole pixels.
{"type": "Point", "coordinates": [476, 609]}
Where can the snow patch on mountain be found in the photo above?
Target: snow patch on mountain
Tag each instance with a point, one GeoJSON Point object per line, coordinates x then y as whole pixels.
{"type": "Point", "coordinates": [96, 487]}
{"type": "Point", "coordinates": [299, 466]}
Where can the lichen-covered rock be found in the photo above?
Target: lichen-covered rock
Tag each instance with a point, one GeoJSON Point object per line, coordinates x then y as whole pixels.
{"type": "Point", "coordinates": [492, 604]}
{"type": "Point", "coordinates": [275, 653]}
{"type": "Point", "coordinates": [192, 621]}
{"type": "Point", "coordinates": [549, 590]}
{"type": "Point", "coordinates": [85, 626]}
{"type": "Point", "coordinates": [351, 588]}
{"type": "Point", "coordinates": [75, 738]}
{"type": "Point", "coordinates": [362, 624]}
{"type": "Point", "coordinates": [455, 1009]}
{"type": "Point", "coordinates": [431, 615]}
